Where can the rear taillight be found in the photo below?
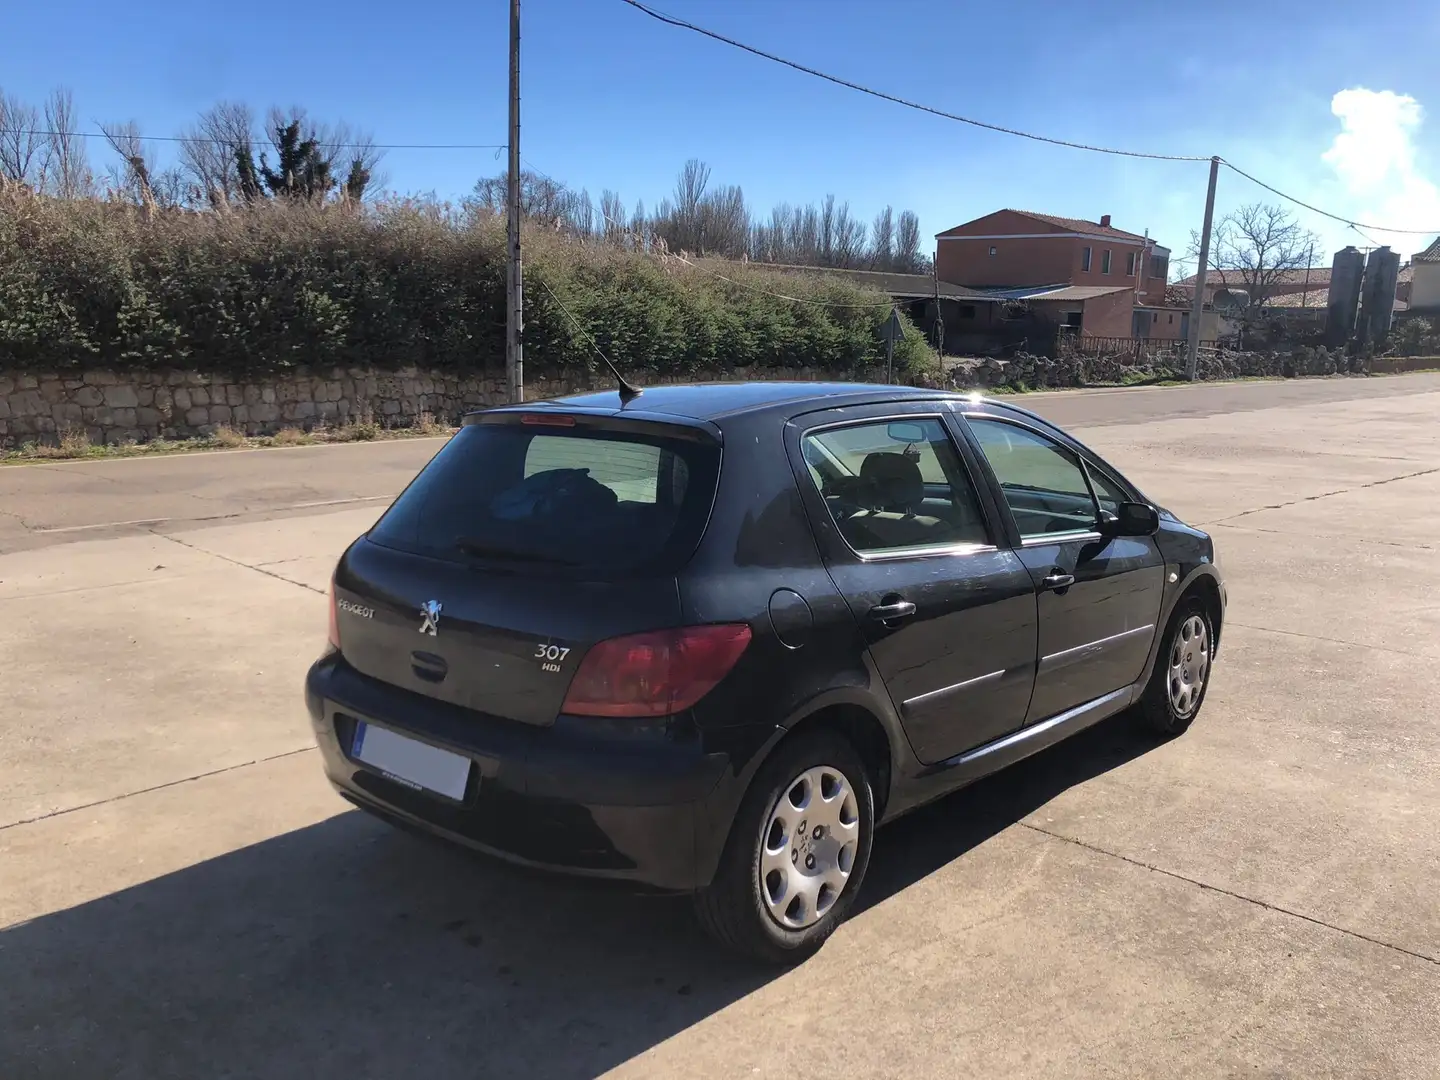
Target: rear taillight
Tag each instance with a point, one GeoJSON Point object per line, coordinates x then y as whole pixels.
{"type": "Point", "coordinates": [334, 621]}
{"type": "Point", "coordinates": [654, 674]}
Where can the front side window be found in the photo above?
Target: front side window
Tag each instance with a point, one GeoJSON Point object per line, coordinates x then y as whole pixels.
{"type": "Point", "coordinates": [895, 485]}
{"type": "Point", "coordinates": [1044, 484]}
{"type": "Point", "coordinates": [1108, 493]}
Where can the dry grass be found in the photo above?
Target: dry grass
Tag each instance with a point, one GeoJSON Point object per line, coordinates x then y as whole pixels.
{"type": "Point", "coordinates": [362, 427]}
{"type": "Point", "coordinates": [426, 424]}
{"type": "Point", "coordinates": [227, 437]}
{"type": "Point", "coordinates": [291, 436]}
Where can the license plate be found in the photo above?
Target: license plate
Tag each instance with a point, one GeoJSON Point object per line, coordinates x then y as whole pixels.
{"type": "Point", "coordinates": [410, 761]}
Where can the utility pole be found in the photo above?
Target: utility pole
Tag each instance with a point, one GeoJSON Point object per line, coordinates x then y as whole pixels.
{"type": "Point", "coordinates": [1197, 308]}
{"type": "Point", "coordinates": [514, 281]}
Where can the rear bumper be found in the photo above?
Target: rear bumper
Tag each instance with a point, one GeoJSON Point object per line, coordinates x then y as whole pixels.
{"type": "Point", "coordinates": [585, 797]}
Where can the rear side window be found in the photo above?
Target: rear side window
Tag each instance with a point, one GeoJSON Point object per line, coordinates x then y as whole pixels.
{"type": "Point", "coordinates": [894, 486]}
{"type": "Point", "coordinates": [583, 498]}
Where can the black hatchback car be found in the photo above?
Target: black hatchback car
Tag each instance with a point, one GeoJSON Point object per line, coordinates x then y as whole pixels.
{"type": "Point", "coordinates": [707, 638]}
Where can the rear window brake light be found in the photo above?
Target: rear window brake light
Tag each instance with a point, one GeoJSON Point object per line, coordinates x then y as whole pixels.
{"type": "Point", "coordinates": [548, 420]}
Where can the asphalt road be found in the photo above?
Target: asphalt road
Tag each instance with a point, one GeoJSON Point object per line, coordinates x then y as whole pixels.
{"type": "Point", "coordinates": [182, 896]}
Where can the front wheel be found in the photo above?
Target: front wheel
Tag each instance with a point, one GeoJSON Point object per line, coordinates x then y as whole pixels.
{"type": "Point", "coordinates": [1182, 670]}
{"type": "Point", "coordinates": [797, 852]}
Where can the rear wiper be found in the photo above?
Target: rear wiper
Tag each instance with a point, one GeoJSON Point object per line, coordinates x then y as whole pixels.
{"type": "Point", "coordinates": [491, 551]}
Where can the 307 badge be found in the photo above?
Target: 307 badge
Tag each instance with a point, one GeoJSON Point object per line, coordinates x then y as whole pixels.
{"type": "Point", "coordinates": [551, 656]}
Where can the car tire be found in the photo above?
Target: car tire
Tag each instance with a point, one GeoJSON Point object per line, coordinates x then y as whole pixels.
{"type": "Point", "coordinates": [774, 895]}
{"type": "Point", "coordinates": [1178, 685]}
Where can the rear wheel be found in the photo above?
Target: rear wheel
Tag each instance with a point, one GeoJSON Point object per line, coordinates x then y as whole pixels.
{"type": "Point", "coordinates": [797, 852]}
{"type": "Point", "coordinates": [1182, 670]}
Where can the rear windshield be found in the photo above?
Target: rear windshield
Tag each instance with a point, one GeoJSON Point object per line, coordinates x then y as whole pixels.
{"type": "Point", "coordinates": [552, 498]}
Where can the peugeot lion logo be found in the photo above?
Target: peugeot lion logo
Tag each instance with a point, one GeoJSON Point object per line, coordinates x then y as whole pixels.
{"type": "Point", "coordinates": [430, 610]}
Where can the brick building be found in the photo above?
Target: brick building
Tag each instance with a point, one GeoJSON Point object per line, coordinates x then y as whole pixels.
{"type": "Point", "coordinates": [1016, 247]}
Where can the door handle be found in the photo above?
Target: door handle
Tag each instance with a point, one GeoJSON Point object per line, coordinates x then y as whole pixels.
{"type": "Point", "coordinates": [892, 610]}
{"type": "Point", "coordinates": [1058, 579]}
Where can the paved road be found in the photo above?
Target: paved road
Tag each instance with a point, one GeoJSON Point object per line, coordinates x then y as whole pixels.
{"type": "Point", "coordinates": [181, 896]}
{"type": "Point", "coordinates": [66, 501]}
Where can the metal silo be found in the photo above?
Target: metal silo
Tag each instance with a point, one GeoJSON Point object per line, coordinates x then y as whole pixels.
{"type": "Point", "coordinates": [1346, 274]}
{"type": "Point", "coordinates": [1377, 298]}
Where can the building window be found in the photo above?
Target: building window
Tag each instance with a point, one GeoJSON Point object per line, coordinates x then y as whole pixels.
{"type": "Point", "coordinates": [1130, 265]}
{"type": "Point", "coordinates": [1172, 320]}
{"type": "Point", "coordinates": [992, 250]}
{"type": "Point", "coordinates": [1085, 259]}
{"type": "Point", "coordinates": [1157, 271]}
{"type": "Point", "coordinates": [1155, 317]}
{"type": "Point", "coordinates": [1105, 261]}
{"type": "Point", "coordinates": [967, 311]}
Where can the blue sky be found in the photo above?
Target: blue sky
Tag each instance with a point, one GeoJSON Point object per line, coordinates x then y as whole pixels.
{"type": "Point", "coordinates": [614, 99]}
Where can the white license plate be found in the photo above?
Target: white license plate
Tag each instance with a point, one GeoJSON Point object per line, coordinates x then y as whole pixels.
{"type": "Point", "coordinates": [410, 761]}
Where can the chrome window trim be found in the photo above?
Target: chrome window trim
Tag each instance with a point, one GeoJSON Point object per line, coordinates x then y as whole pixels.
{"type": "Point", "coordinates": [1060, 538]}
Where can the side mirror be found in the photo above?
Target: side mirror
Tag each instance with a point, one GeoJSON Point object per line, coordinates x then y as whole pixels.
{"type": "Point", "coordinates": [1130, 519]}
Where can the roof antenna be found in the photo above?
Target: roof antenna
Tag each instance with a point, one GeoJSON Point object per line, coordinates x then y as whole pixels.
{"type": "Point", "coordinates": [628, 390]}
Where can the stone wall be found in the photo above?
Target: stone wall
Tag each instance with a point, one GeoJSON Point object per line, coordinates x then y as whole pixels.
{"type": "Point", "coordinates": [117, 407]}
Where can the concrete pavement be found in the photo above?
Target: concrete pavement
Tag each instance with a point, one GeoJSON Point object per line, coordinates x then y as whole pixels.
{"type": "Point", "coordinates": [181, 895]}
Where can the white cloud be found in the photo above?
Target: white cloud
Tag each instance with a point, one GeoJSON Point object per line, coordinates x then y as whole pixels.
{"type": "Point", "coordinates": [1374, 159]}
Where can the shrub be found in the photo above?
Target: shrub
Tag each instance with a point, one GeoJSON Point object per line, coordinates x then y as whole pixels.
{"type": "Point", "coordinates": [92, 284]}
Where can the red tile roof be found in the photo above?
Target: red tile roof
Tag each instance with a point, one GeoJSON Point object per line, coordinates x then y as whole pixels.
{"type": "Point", "coordinates": [1319, 277]}
{"type": "Point", "coordinates": [1080, 225]}
{"type": "Point", "coordinates": [1066, 223]}
{"type": "Point", "coordinates": [1430, 254]}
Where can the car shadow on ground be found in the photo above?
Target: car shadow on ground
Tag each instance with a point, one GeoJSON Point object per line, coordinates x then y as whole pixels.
{"type": "Point", "coordinates": [351, 949]}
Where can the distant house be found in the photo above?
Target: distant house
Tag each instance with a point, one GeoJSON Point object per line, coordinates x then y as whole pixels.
{"type": "Point", "coordinates": [1300, 289]}
{"type": "Point", "coordinates": [1089, 273]}
{"type": "Point", "coordinates": [1425, 288]}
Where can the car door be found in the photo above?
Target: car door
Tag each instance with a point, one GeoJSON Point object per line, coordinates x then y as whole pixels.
{"type": "Point", "coordinates": [1098, 597]}
{"type": "Point", "coordinates": [948, 614]}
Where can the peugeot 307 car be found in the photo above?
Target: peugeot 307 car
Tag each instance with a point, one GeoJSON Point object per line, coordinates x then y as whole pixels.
{"type": "Point", "coordinates": [706, 638]}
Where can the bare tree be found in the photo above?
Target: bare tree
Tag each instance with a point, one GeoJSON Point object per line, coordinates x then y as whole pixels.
{"type": "Point", "coordinates": [22, 147]}
{"type": "Point", "coordinates": [908, 257]}
{"type": "Point", "coordinates": [612, 216]}
{"type": "Point", "coordinates": [542, 200]}
{"type": "Point", "coordinates": [1255, 249]}
{"type": "Point", "coordinates": [579, 219]}
{"type": "Point", "coordinates": [882, 240]}
{"type": "Point", "coordinates": [640, 227]}
{"type": "Point", "coordinates": [132, 178]}
{"type": "Point", "coordinates": [353, 158]}
{"type": "Point", "coordinates": [211, 151]}
{"type": "Point", "coordinates": [68, 169]}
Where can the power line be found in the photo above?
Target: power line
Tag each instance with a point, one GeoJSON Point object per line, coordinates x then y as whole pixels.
{"type": "Point", "coordinates": [1356, 225]}
{"type": "Point", "coordinates": [227, 142]}
{"type": "Point", "coordinates": [682, 24]}
{"type": "Point", "coordinates": [671, 20]}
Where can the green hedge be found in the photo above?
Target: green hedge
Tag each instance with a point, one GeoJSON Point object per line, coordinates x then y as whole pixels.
{"type": "Point", "coordinates": [94, 285]}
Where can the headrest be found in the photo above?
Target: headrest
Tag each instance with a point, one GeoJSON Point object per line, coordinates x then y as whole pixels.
{"type": "Point", "coordinates": [894, 481]}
